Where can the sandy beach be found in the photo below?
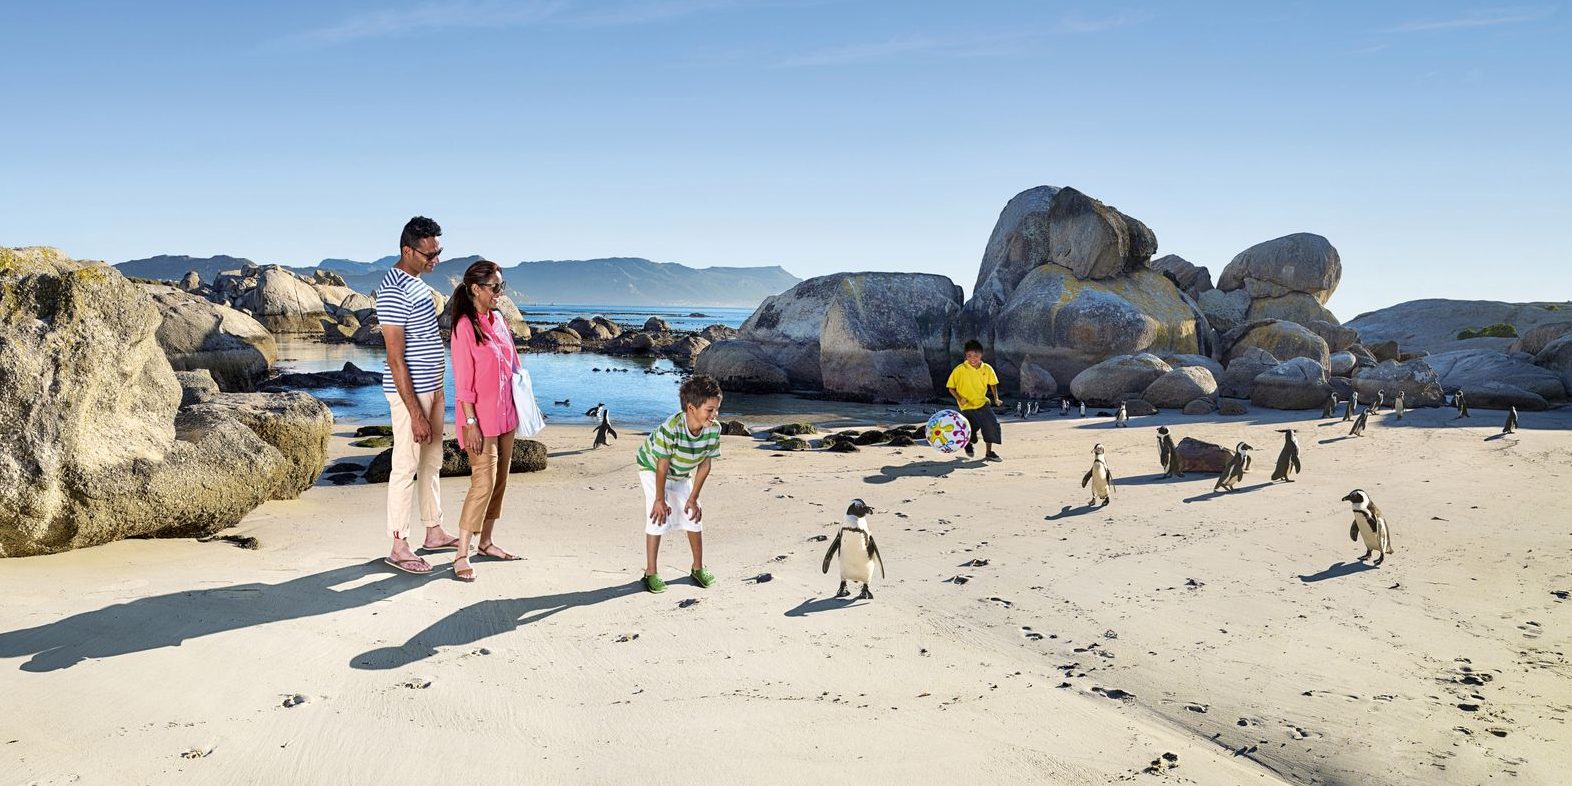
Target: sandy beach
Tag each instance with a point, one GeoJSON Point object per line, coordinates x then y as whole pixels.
{"type": "Point", "coordinates": [1019, 637]}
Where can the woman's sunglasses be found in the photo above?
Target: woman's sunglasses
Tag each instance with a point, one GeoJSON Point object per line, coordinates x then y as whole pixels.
{"type": "Point", "coordinates": [496, 288]}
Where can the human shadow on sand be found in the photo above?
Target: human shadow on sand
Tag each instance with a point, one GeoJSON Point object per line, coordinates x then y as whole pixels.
{"type": "Point", "coordinates": [483, 620]}
{"type": "Point", "coordinates": [173, 619]}
{"type": "Point", "coordinates": [816, 605]}
{"type": "Point", "coordinates": [1214, 493]}
{"type": "Point", "coordinates": [1337, 570]}
{"type": "Point", "coordinates": [921, 469]}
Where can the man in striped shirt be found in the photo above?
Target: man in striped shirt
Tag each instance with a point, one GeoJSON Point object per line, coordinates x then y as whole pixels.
{"type": "Point", "coordinates": [674, 462]}
{"type": "Point", "coordinates": [412, 382]}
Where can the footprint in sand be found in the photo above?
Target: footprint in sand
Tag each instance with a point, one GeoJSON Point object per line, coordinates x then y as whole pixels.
{"type": "Point", "coordinates": [1031, 635]}
{"type": "Point", "coordinates": [1200, 708]}
{"type": "Point", "coordinates": [1300, 734]}
{"type": "Point", "coordinates": [686, 602]}
{"type": "Point", "coordinates": [977, 563]}
{"type": "Point", "coordinates": [1000, 601]}
{"type": "Point", "coordinates": [957, 579]}
{"type": "Point", "coordinates": [1531, 630]}
{"type": "Point", "coordinates": [627, 637]}
{"type": "Point", "coordinates": [819, 538]}
{"type": "Point", "coordinates": [295, 700]}
{"type": "Point", "coordinates": [416, 683]}
{"type": "Point", "coordinates": [1114, 693]}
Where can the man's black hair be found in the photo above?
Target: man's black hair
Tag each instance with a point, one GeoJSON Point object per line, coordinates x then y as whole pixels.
{"type": "Point", "coordinates": [973, 346]}
{"type": "Point", "coordinates": [419, 228]}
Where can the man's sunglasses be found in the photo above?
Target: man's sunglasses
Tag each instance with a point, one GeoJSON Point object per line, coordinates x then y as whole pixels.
{"type": "Point", "coordinates": [431, 257]}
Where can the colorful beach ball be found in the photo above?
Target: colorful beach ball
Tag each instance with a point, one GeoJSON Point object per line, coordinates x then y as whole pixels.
{"type": "Point", "coordinates": [948, 431]}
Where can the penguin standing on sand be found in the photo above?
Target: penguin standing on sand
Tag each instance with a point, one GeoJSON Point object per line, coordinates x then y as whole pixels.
{"type": "Point", "coordinates": [1397, 405]}
{"type": "Point", "coordinates": [1172, 466]}
{"type": "Point", "coordinates": [1020, 409]}
{"type": "Point", "coordinates": [603, 427]}
{"type": "Point", "coordinates": [1331, 405]}
{"type": "Point", "coordinates": [1235, 470]}
{"type": "Point", "coordinates": [1099, 476]}
{"type": "Point", "coordinates": [1122, 419]}
{"type": "Point", "coordinates": [1288, 459]}
{"type": "Point", "coordinates": [1359, 425]}
{"type": "Point", "coordinates": [1035, 408]}
{"type": "Point", "coordinates": [1083, 409]}
{"type": "Point", "coordinates": [858, 552]}
{"type": "Point", "coordinates": [1370, 525]}
{"type": "Point", "coordinates": [1462, 404]}
{"type": "Point", "coordinates": [1511, 424]}
{"type": "Point", "coordinates": [1380, 399]}
{"type": "Point", "coordinates": [1348, 409]}
{"type": "Point", "coordinates": [1064, 407]}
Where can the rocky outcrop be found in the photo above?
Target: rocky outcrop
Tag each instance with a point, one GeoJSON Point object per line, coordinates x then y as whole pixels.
{"type": "Point", "coordinates": [1239, 378]}
{"type": "Point", "coordinates": [1200, 361]}
{"type": "Point", "coordinates": [1342, 364]}
{"type": "Point", "coordinates": [593, 330]}
{"type": "Point", "coordinates": [1297, 383]}
{"type": "Point", "coordinates": [1293, 307]}
{"type": "Point", "coordinates": [96, 447]}
{"type": "Point", "coordinates": [1284, 340]}
{"type": "Point", "coordinates": [1535, 339]}
{"type": "Point", "coordinates": [1500, 395]}
{"type": "Point", "coordinates": [855, 336]}
{"type": "Point", "coordinates": [196, 333]}
{"type": "Point", "coordinates": [295, 424]}
{"type": "Point", "coordinates": [1337, 337]}
{"type": "Point", "coordinates": [350, 376]}
{"type": "Point", "coordinates": [1301, 262]}
{"type": "Point", "coordinates": [191, 281]}
{"type": "Point", "coordinates": [1415, 379]}
{"type": "Point", "coordinates": [1037, 381]}
{"type": "Point", "coordinates": [1434, 325]}
{"type": "Point", "coordinates": [1556, 357]}
{"type": "Point", "coordinates": [1109, 382]}
{"type": "Point", "coordinates": [656, 325]}
{"type": "Point", "coordinates": [1191, 280]}
{"type": "Point", "coordinates": [1224, 310]}
{"type": "Point", "coordinates": [528, 456]}
{"type": "Point", "coordinates": [714, 333]}
{"type": "Point", "coordinates": [283, 303]}
{"type": "Point", "coordinates": [1180, 386]}
{"type": "Point", "coordinates": [1064, 285]}
{"type": "Point", "coordinates": [557, 340]}
{"type": "Point", "coordinates": [1472, 369]}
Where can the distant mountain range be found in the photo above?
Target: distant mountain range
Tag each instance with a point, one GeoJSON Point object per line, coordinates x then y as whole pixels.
{"type": "Point", "coordinates": [617, 281]}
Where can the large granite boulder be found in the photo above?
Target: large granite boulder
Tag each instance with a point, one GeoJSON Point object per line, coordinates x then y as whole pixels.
{"type": "Point", "coordinates": [1556, 356]}
{"type": "Point", "coordinates": [369, 334]}
{"type": "Point", "coordinates": [592, 330]}
{"type": "Point", "coordinates": [1109, 382]}
{"type": "Point", "coordinates": [94, 448]}
{"type": "Point", "coordinates": [1535, 339]}
{"type": "Point", "coordinates": [1337, 337]}
{"type": "Point", "coordinates": [1342, 364]}
{"type": "Point", "coordinates": [283, 303]}
{"type": "Point", "coordinates": [1301, 262]}
{"type": "Point", "coordinates": [716, 333]}
{"type": "Point", "coordinates": [557, 340]}
{"type": "Point", "coordinates": [1284, 340]}
{"type": "Point", "coordinates": [740, 366]}
{"type": "Point", "coordinates": [1191, 279]}
{"type": "Point", "coordinates": [1240, 375]}
{"type": "Point", "coordinates": [1224, 310]}
{"type": "Point", "coordinates": [656, 325]}
{"type": "Point", "coordinates": [191, 281]}
{"type": "Point", "coordinates": [296, 424]}
{"type": "Point", "coordinates": [1037, 381]}
{"type": "Point", "coordinates": [514, 317]}
{"type": "Point", "coordinates": [1180, 386]}
{"type": "Point", "coordinates": [1297, 383]}
{"type": "Point", "coordinates": [685, 350]}
{"type": "Point", "coordinates": [855, 336]}
{"type": "Point", "coordinates": [1501, 395]}
{"type": "Point", "coordinates": [1200, 456]}
{"type": "Point", "coordinates": [1181, 360]}
{"type": "Point", "coordinates": [1434, 325]}
{"type": "Point", "coordinates": [196, 333]}
{"type": "Point", "coordinates": [1469, 369]}
{"type": "Point", "coordinates": [1064, 285]}
{"type": "Point", "coordinates": [1415, 379]}
{"type": "Point", "coordinates": [1297, 307]}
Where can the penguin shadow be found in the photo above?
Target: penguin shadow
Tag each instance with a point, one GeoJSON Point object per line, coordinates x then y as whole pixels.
{"type": "Point", "coordinates": [1494, 437]}
{"type": "Point", "coordinates": [1157, 477]}
{"type": "Point", "coordinates": [1213, 494]}
{"type": "Point", "coordinates": [1068, 512]}
{"type": "Point", "coordinates": [561, 453]}
{"type": "Point", "coordinates": [1335, 439]}
{"type": "Point", "coordinates": [817, 605]}
{"type": "Point", "coordinates": [1337, 570]}
{"type": "Point", "coordinates": [921, 469]}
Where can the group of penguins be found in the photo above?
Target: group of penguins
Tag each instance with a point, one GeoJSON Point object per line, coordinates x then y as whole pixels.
{"type": "Point", "coordinates": [1025, 410]}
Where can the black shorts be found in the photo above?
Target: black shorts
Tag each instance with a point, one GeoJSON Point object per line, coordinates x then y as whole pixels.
{"type": "Point", "coordinates": [984, 423]}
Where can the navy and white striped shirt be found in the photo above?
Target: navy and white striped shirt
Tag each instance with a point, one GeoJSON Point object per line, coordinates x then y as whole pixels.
{"type": "Point", "coordinates": [402, 300]}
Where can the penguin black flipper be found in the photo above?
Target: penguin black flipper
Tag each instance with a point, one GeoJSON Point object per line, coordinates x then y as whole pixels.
{"type": "Point", "coordinates": [1109, 472]}
{"type": "Point", "coordinates": [1295, 462]}
{"type": "Point", "coordinates": [1088, 478]}
{"type": "Point", "coordinates": [1353, 532]}
{"type": "Point", "coordinates": [873, 554]}
{"type": "Point", "coordinates": [829, 555]}
{"type": "Point", "coordinates": [612, 432]}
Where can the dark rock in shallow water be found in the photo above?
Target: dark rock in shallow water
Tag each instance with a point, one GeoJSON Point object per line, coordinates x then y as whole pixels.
{"type": "Point", "coordinates": [528, 456]}
{"type": "Point", "coordinates": [350, 376]}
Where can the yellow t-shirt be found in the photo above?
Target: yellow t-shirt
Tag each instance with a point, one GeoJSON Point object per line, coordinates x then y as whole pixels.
{"type": "Point", "coordinates": [971, 384]}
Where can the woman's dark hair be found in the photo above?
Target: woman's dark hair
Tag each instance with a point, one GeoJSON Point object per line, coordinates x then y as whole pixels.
{"type": "Point", "coordinates": [463, 305]}
{"type": "Point", "coordinates": [419, 228]}
{"type": "Point", "coordinates": [973, 346]}
{"type": "Point", "coordinates": [698, 389]}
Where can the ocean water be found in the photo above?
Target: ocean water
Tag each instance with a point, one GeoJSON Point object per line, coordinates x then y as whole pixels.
{"type": "Point", "coordinates": [637, 398]}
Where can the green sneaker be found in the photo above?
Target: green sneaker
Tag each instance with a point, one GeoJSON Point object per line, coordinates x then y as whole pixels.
{"type": "Point", "coordinates": [703, 577]}
{"type": "Point", "coordinates": [654, 584]}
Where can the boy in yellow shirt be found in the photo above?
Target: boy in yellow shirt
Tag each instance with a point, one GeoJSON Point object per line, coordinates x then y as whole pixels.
{"type": "Point", "coordinates": [973, 384]}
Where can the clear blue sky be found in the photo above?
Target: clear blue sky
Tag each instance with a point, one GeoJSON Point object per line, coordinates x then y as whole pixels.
{"type": "Point", "coordinates": [1429, 141]}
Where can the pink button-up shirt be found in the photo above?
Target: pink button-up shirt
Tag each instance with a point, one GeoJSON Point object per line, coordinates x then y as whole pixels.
{"type": "Point", "coordinates": [483, 376]}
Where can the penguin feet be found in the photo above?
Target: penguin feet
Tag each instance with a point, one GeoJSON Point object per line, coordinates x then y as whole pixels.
{"type": "Point", "coordinates": [1106, 501]}
{"type": "Point", "coordinates": [843, 592]}
{"type": "Point", "coordinates": [1379, 559]}
{"type": "Point", "coordinates": [866, 594]}
{"type": "Point", "coordinates": [1366, 556]}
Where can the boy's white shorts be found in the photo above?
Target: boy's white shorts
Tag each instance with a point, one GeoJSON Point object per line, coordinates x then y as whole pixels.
{"type": "Point", "coordinates": [677, 491]}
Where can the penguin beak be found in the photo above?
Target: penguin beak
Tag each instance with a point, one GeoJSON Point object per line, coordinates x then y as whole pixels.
{"type": "Point", "coordinates": [1349, 498]}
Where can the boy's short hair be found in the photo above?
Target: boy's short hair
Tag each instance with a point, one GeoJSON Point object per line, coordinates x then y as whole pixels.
{"type": "Point", "coordinates": [698, 389]}
{"type": "Point", "coordinates": [973, 346]}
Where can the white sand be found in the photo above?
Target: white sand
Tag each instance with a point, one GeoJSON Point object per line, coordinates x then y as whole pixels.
{"type": "Point", "coordinates": [117, 660]}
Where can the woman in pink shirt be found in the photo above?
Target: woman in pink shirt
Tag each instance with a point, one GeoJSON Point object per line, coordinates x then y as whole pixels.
{"type": "Point", "coordinates": [483, 361]}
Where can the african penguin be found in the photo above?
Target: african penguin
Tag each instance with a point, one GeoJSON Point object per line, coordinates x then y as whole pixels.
{"type": "Point", "coordinates": [1173, 467]}
{"type": "Point", "coordinates": [858, 552]}
{"type": "Point", "coordinates": [1235, 470]}
{"type": "Point", "coordinates": [1288, 459]}
{"type": "Point", "coordinates": [1122, 419]}
{"type": "Point", "coordinates": [1462, 404]}
{"type": "Point", "coordinates": [1331, 405]}
{"type": "Point", "coordinates": [1020, 409]}
{"type": "Point", "coordinates": [1359, 425]}
{"type": "Point", "coordinates": [1511, 424]}
{"type": "Point", "coordinates": [1397, 405]}
{"type": "Point", "coordinates": [1099, 476]}
{"type": "Point", "coordinates": [603, 428]}
{"type": "Point", "coordinates": [1083, 409]}
{"type": "Point", "coordinates": [1064, 407]}
{"type": "Point", "coordinates": [1370, 525]}
{"type": "Point", "coordinates": [1380, 400]}
{"type": "Point", "coordinates": [1348, 409]}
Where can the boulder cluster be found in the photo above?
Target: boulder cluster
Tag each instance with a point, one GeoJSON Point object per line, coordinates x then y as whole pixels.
{"type": "Point", "coordinates": [655, 339]}
{"type": "Point", "coordinates": [105, 439]}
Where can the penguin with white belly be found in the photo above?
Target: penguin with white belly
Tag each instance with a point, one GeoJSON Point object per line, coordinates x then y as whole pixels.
{"type": "Point", "coordinates": [1370, 525]}
{"type": "Point", "coordinates": [858, 553]}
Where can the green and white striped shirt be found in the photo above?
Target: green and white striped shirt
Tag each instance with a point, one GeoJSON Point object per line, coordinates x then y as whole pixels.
{"type": "Point", "coordinates": [672, 440]}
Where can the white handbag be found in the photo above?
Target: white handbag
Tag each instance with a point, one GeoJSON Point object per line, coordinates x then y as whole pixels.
{"type": "Point", "coordinates": [530, 420]}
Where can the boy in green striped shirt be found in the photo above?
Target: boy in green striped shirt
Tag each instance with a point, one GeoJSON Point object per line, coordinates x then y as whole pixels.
{"type": "Point", "coordinates": [674, 462]}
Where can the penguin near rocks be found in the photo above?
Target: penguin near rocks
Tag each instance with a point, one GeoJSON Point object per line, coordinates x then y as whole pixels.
{"type": "Point", "coordinates": [1020, 409]}
{"type": "Point", "coordinates": [603, 427]}
{"type": "Point", "coordinates": [1462, 404]}
{"type": "Point", "coordinates": [1064, 407]}
{"type": "Point", "coordinates": [1235, 471]}
{"type": "Point", "coordinates": [1348, 408]}
{"type": "Point", "coordinates": [1288, 459]}
{"type": "Point", "coordinates": [1036, 407]}
{"type": "Point", "coordinates": [858, 553]}
{"type": "Point", "coordinates": [1331, 405]}
{"type": "Point", "coordinates": [1359, 425]}
{"type": "Point", "coordinates": [1397, 405]}
{"type": "Point", "coordinates": [1380, 401]}
{"type": "Point", "coordinates": [1511, 423]}
{"type": "Point", "coordinates": [1083, 409]}
{"type": "Point", "coordinates": [1122, 419]}
{"type": "Point", "coordinates": [1099, 477]}
{"type": "Point", "coordinates": [1173, 467]}
{"type": "Point", "coordinates": [1370, 525]}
